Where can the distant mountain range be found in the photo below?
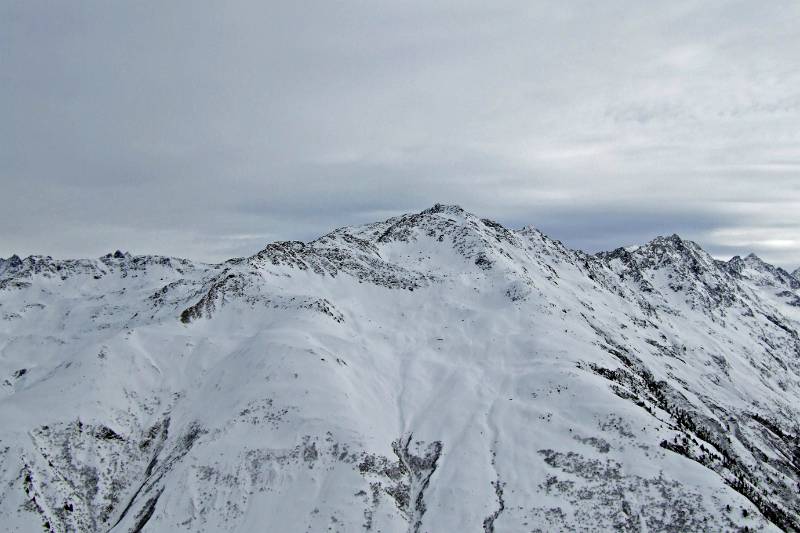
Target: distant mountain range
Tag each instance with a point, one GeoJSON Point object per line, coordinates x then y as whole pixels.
{"type": "Point", "coordinates": [431, 372]}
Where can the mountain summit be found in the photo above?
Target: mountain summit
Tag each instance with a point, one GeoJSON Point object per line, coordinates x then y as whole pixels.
{"type": "Point", "coordinates": [435, 371]}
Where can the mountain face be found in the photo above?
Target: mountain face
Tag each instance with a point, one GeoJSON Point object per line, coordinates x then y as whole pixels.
{"type": "Point", "coordinates": [431, 372]}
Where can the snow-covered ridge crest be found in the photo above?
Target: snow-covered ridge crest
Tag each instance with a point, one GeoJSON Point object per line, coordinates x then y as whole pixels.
{"type": "Point", "coordinates": [755, 268]}
{"type": "Point", "coordinates": [435, 371]}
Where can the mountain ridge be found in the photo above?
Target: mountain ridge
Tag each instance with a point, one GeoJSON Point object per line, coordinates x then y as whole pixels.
{"type": "Point", "coordinates": [431, 371]}
{"type": "Point", "coordinates": [15, 261]}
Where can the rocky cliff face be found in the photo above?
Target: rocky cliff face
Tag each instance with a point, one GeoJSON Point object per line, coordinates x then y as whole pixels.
{"type": "Point", "coordinates": [431, 372]}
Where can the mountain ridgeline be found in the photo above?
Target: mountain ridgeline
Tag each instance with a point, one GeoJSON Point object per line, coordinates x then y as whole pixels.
{"type": "Point", "coordinates": [431, 372]}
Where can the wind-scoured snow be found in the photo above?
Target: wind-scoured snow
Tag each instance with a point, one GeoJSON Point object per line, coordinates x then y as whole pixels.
{"type": "Point", "coordinates": [431, 372]}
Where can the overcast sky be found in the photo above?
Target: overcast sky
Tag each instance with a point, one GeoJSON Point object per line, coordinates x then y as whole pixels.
{"type": "Point", "coordinates": [208, 129]}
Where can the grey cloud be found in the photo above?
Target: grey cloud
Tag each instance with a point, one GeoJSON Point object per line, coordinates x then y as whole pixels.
{"type": "Point", "coordinates": [208, 129]}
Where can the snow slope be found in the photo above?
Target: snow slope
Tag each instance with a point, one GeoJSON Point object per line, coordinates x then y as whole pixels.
{"type": "Point", "coordinates": [431, 372]}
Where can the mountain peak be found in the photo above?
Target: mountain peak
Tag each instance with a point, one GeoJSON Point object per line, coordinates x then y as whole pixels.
{"type": "Point", "coordinates": [756, 269]}
{"type": "Point", "coordinates": [12, 262]}
{"type": "Point", "coordinates": [672, 245]}
{"type": "Point", "coordinates": [449, 209]}
{"type": "Point", "coordinates": [118, 254]}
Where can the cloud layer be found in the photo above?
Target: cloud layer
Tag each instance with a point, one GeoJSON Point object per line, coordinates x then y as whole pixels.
{"type": "Point", "coordinates": [208, 129]}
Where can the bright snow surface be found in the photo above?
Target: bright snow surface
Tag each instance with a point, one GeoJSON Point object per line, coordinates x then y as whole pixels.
{"type": "Point", "coordinates": [433, 372]}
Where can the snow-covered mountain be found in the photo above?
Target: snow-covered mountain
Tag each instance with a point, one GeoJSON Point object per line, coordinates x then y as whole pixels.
{"type": "Point", "coordinates": [431, 372]}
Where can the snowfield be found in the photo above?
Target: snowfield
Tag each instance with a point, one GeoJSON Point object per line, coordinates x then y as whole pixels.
{"type": "Point", "coordinates": [433, 372]}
